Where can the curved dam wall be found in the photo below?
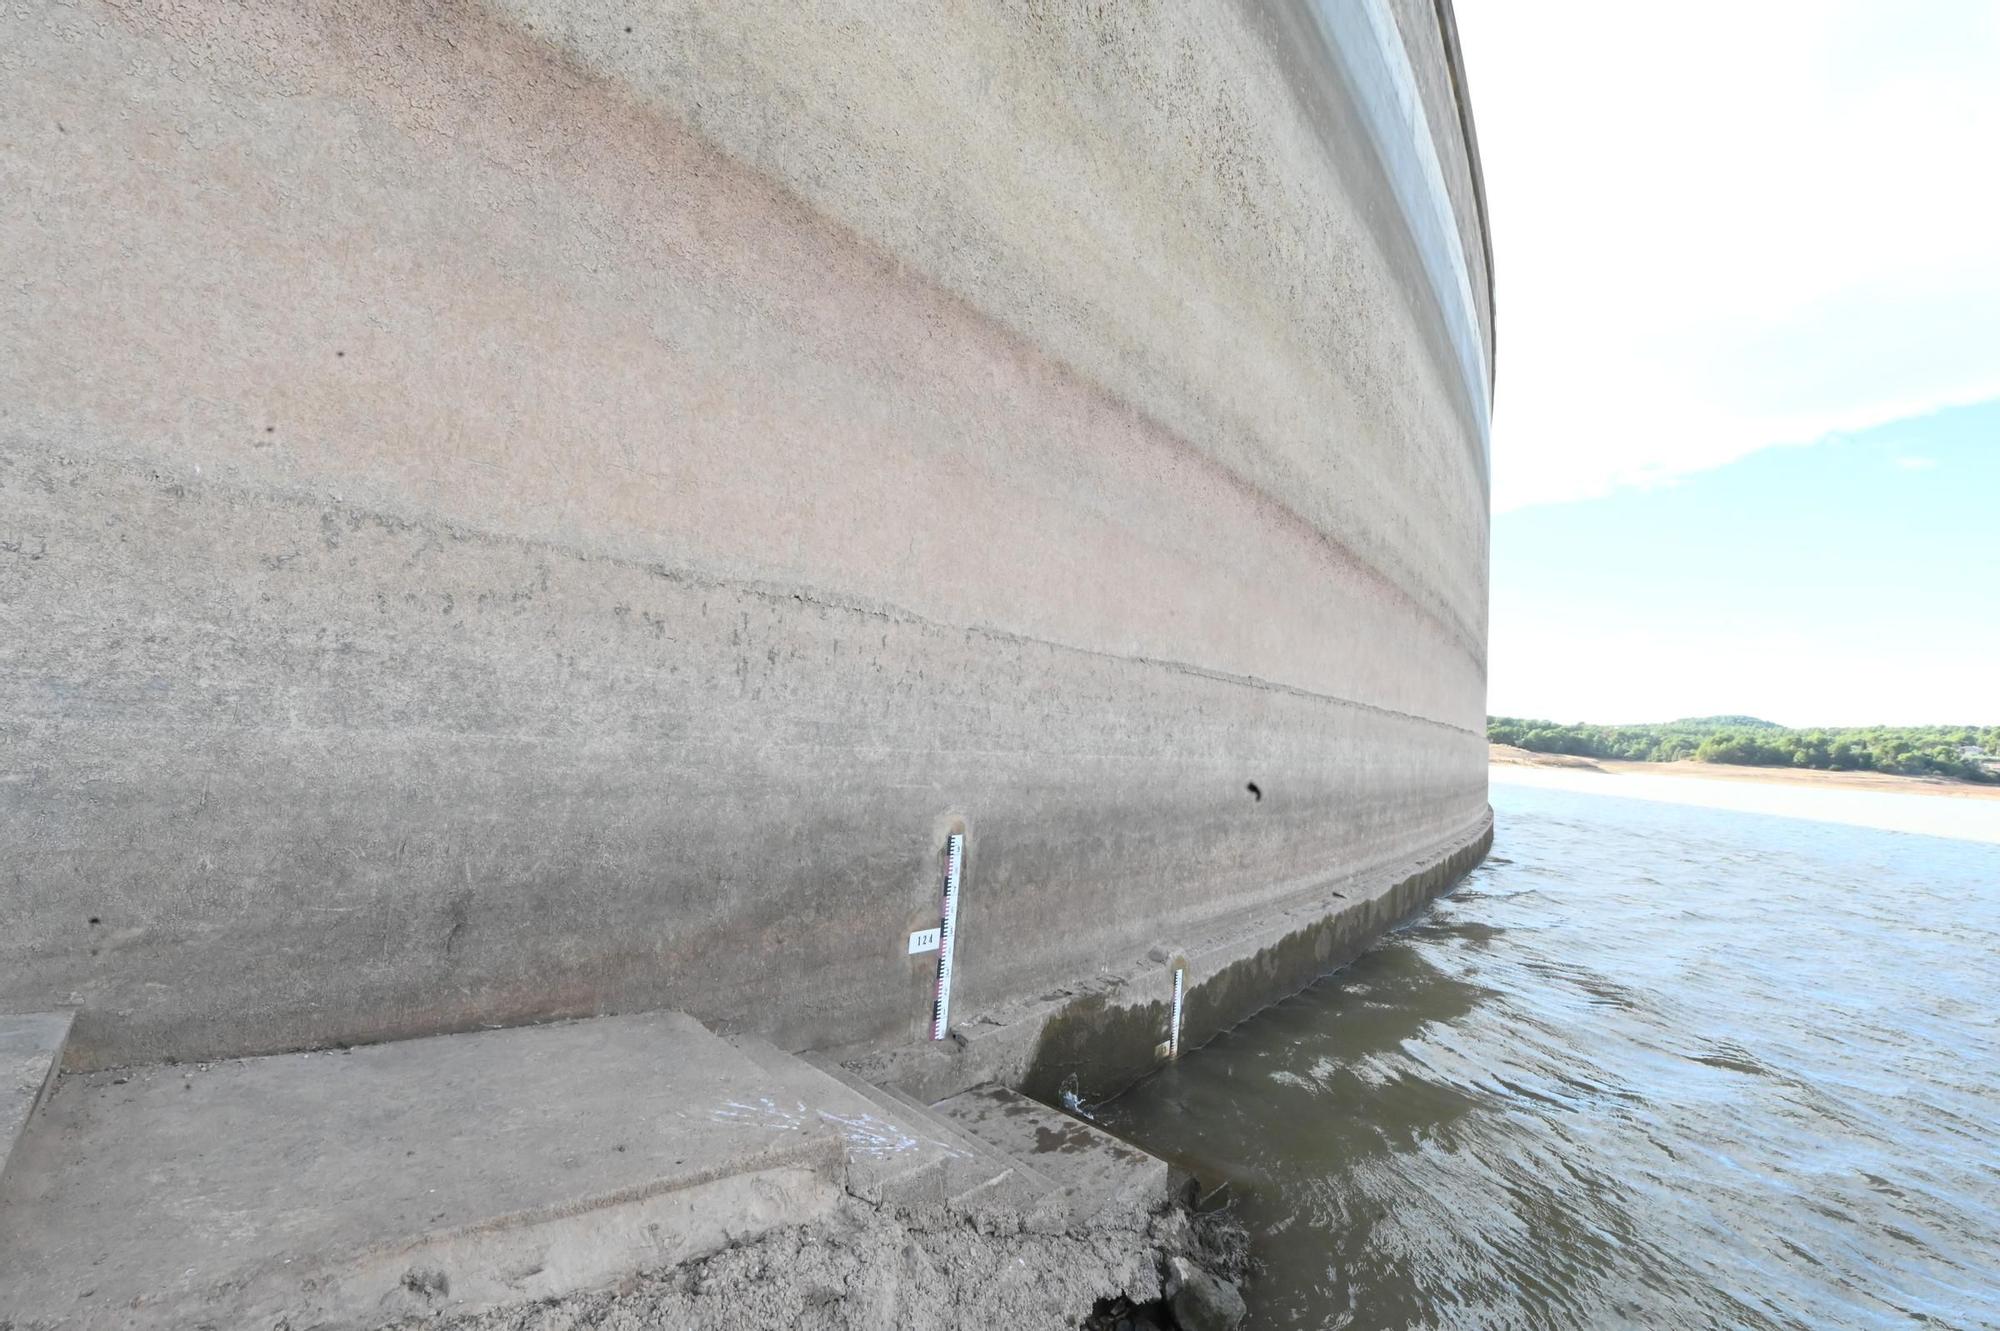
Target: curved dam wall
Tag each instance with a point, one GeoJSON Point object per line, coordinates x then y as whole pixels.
{"type": "Point", "coordinates": [535, 508]}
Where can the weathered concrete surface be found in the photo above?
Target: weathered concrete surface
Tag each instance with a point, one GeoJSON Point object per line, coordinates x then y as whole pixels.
{"type": "Point", "coordinates": [1098, 1174]}
{"type": "Point", "coordinates": [1092, 1038]}
{"type": "Point", "coordinates": [452, 1173]}
{"type": "Point", "coordinates": [31, 1046]}
{"type": "Point", "coordinates": [896, 1157]}
{"type": "Point", "coordinates": [989, 1155]}
{"type": "Point", "coordinates": [995, 1188]}
{"type": "Point", "coordinates": [526, 509]}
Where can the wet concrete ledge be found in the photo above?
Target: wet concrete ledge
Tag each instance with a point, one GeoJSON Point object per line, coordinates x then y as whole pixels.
{"type": "Point", "coordinates": [1091, 1041]}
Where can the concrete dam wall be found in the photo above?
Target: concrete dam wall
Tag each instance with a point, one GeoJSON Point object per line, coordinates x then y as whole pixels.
{"type": "Point", "coordinates": [536, 507]}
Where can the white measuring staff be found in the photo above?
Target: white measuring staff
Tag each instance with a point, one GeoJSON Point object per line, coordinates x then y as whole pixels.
{"type": "Point", "coordinates": [947, 934]}
{"type": "Point", "coordinates": [1174, 1036]}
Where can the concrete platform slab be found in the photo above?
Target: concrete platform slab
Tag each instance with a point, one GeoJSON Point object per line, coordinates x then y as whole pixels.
{"type": "Point", "coordinates": [343, 1189]}
{"type": "Point", "coordinates": [1099, 1174]}
{"type": "Point", "coordinates": [31, 1045]}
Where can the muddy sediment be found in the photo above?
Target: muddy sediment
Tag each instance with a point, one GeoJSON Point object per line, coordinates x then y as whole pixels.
{"type": "Point", "coordinates": [875, 1268]}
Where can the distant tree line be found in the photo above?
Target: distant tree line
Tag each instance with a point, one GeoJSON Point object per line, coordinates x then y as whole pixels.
{"type": "Point", "coordinates": [1969, 753]}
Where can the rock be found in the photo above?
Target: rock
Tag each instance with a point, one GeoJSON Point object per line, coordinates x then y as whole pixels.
{"type": "Point", "coordinates": [1205, 1302]}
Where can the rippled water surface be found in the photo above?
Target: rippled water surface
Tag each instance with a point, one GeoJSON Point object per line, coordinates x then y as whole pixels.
{"type": "Point", "coordinates": [1651, 1066]}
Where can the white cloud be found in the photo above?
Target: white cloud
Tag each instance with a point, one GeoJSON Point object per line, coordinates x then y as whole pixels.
{"type": "Point", "coordinates": [1916, 464]}
{"type": "Point", "coordinates": [1720, 227]}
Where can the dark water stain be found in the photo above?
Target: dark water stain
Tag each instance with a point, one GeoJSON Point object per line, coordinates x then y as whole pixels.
{"type": "Point", "coordinates": [1098, 1046]}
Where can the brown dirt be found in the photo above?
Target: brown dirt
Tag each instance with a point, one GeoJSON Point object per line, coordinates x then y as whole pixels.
{"type": "Point", "coordinates": [1508, 755]}
{"type": "Point", "coordinates": [869, 1269]}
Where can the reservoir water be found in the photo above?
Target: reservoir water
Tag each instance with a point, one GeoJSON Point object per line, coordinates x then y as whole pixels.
{"type": "Point", "coordinates": [1652, 1065]}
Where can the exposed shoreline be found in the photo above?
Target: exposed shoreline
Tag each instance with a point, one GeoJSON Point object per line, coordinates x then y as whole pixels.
{"type": "Point", "coordinates": [1507, 755]}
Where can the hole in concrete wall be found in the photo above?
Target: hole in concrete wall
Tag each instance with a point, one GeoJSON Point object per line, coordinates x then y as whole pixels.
{"type": "Point", "coordinates": [1255, 793]}
{"type": "Point", "coordinates": [95, 920]}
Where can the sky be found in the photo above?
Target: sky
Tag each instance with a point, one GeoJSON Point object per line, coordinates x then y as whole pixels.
{"type": "Point", "coordinates": [1745, 257]}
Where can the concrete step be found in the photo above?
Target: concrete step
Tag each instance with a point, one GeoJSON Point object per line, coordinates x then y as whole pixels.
{"type": "Point", "coordinates": [894, 1158]}
{"type": "Point", "coordinates": [978, 1179]}
{"type": "Point", "coordinates": [346, 1189]}
{"type": "Point", "coordinates": [1100, 1175]}
{"type": "Point", "coordinates": [31, 1047]}
{"type": "Point", "coordinates": [993, 1183]}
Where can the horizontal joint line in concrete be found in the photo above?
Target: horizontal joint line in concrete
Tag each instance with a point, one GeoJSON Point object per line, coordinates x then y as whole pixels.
{"type": "Point", "coordinates": [775, 592]}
